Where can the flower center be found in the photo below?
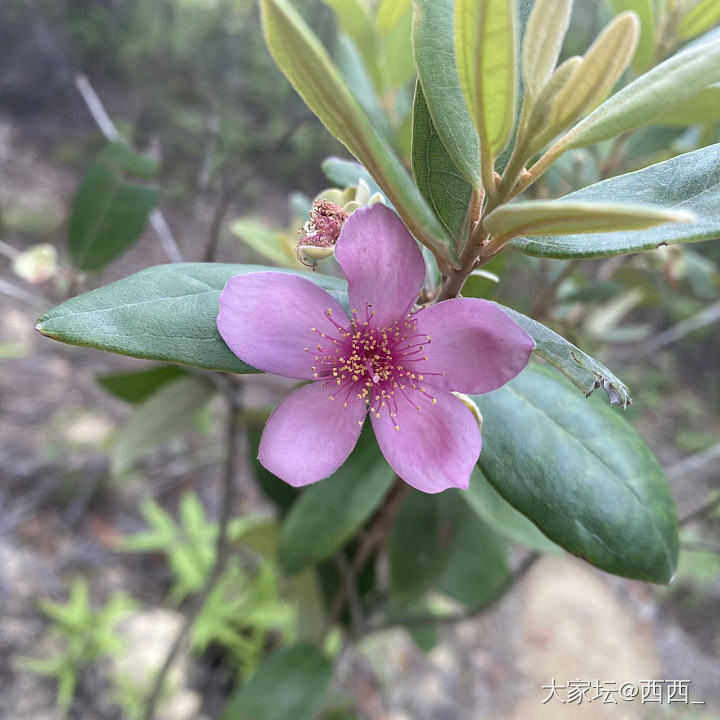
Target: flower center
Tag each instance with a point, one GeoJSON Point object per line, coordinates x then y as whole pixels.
{"type": "Point", "coordinates": [381, 365]}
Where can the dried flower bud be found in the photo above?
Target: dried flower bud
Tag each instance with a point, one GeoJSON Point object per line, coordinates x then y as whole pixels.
{"type": "Point", "coordinates": [321, 232]}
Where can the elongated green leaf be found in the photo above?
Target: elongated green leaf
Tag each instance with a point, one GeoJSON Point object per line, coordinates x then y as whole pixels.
{"type": "Point", "coordinates": [348, 173]}
{"type": "Point", "coordinates": [302, 58]}
{"type": "Point", "coordinates": [354, 20]}
{"type": "Point", "coordinates": [563, 217]}
{"type": "Point", "coordinates": [701, 17]}
{"type": "Point", "coordinates": [434, 47]}
{"type": "Point", "coordinates": [485, 55]}
{"type": "Point", "coordinates": [289, 684]}
{"type": "Point", "coordinates": [422, 542]}
{"type": "Point", "coordinates": [585, 373]}
{"type": "Point", "coordinates": [166, 313]}
{"type": "Point", "coordinates": [545, 33]}
{"type": "Point", "coordinates": [439, 180]}
{"type": "Point", "coordinates": [665, 86]}
{"type": "Point", "coordinates": [137, 386]}
{"type": "Point", "coordinates": [599, 70]}
{"type": "Point", "coordinates": [389, 14]}
{"type": "Point", "coordinates": [477, 568]}
{"type": "Point", "coordinates": [263, 240]}
{"type": "Point", "coordinates": [581, 474]}
{"type": "Point", "coordinates": [164, 414]}
{"type": "Point", "coordinates": [646, 44]}
{"type": "Point", "coordinates": [109, 212]}
{"type": "Point", "coordinates": [502, 517]}
{"type": "Point", "coordinates": [687, 183]}
{"type": "Point", "coordinates": [701, 108]}
{"type": "Point", "coordinates": [327, 514]}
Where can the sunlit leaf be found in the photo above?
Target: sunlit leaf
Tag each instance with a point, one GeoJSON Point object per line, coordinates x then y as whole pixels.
{"type": "Point", "coordinates": [645, 52]}
{"type": "Point", "coordinates": [300, 55]}
{"type": "Point", "coordinates": [700, 18]}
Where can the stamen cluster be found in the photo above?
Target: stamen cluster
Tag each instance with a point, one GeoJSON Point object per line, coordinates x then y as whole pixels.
{"type": "Point", "coordinates": [380, 365]}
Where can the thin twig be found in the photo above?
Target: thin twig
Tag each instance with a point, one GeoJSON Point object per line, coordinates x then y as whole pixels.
{"type": "Point", "coordinates": [348, 578]}
{"type": "Point", "coordinates": [222, 548]}
{"type": "Point", "coordinates": [414, 621]}
{"type": "Point", "coordinates": [108, 129]}
{"type": "Point", "coordinates": [691, 464]}
{"type": "Point", "coordinates": [370, 541]}
{"type": "Point", "coordinates": [692, 546]}
{"type": "Point", "coordinates": [21, 294]}
{"type": "Point", "coordinates": [705, 317]}
{"type": "Point", "coordinates": [703, 511]}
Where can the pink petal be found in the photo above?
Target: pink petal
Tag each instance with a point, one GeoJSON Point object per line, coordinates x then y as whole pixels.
{"type": "Point", "coordinates": [309, 436]}
{"type": "Point", "coordinates": [474, 342]}
{"type": "Point", "coordinates": [266, 318]}
{"type": "Point", "coordinates": [435, 448]}
{"type": "Point", "coordinates": [381, 262]}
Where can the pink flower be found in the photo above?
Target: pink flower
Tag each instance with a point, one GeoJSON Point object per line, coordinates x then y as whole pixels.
{"type": "Point", "coordinates": [400, 366]}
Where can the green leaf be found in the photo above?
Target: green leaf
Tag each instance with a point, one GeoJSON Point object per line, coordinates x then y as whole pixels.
{"type": "Point", "coordinates": [421, 543]}
{"type": "Point", "coordinates": [645, 52]}
{"type": "Point", "coordinates": [434, 47]}
{"type": "Point", "coordinates": [109, 213]}
{"type": "Point", "coordinates": [263, 240]}
{"type": "Point", "coordinates": [544, 36]}
{"type": "Point", "coordinates": [565, 217]}
{"type": "Point", "coordinates": [665, 86]}
{"type": "Point", "coordinates": [348, 173]}
{"type": "Point", "coordinates": [389, 14]}
{"type": "Point", "coordinates": [581, 474]}
{"type": "Point", "coordinates": [598, 71]}
{"type": "Point", "coordinates": [167, 313]}
{"type": "Point", "coordinates": [502, 517]}
{"type": "Point", "coordinates": [137, 386]}
{"type": "Point", "coordinates": [355, 22]}
{"type": "Point", "coordinates": [399, 63]}
{"type": "Point", "coordinates": [327, 514]}
{"type": "Point", "coordinates": [701, 17]}
{"type": "Point", "coordinates": [290, 683]}
{"type": "Point", "coordinates": [299, 54]}
{"type": "Point", "coordinates": [485, 55]}
{"type": "Point", "coordinates": [701, 108]}
{"type": "Point", "coordinates": [585, 373]}
{"type": "Point", "coordinates": [163, 415]}
{"type": "Point", "coordinates": [687, 183]}
{"type": "Point", "coordinates": [436, 176]}
{"type": "Point", "coordinates": [477, 569]}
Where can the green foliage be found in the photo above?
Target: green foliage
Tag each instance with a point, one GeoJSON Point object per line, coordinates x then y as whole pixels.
{"type": "Point", "coordinates": [110, 212]}
{"type": "Point", "coordinates": [166, 313]}
{"type": "Point", "coordinates": [687, 183]}
{"type": "Point", "coordinates": [581, 474]}
{"type": "Point", "coordinates": [305, 675]}
{"type": "Point", "coordinates": [83, 635]}
{"type": "Point", "coordinates": [159, 418]}
{"type": "Point", "coordinates": [330, 512]}
{"type": "Point", "coordinates": [422, 542]}
{"type": "Point", "coordinates": [134, 387]}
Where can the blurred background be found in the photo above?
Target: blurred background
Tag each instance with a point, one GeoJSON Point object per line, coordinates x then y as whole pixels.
{"type": "Point", "coordinates": [230, 157]}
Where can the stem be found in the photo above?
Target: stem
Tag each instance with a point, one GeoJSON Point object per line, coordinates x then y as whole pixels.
{"type": "Point", "coordinates": [222, 548]}
{"type": "Point", "coordinates": [701, 512]}
{"type": "Point", "coordinates": [372, 539]}
{"type": "Point", "coordinates": [414, 621]}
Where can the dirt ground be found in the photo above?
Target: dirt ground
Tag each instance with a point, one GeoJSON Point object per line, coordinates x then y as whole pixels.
{"type": "Point", "coordinates": [565, 622]}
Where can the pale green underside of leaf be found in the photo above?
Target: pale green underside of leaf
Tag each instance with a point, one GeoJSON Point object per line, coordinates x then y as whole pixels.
{"type": "Point", "coordinates": [303, 60]}
{"type": "Point", "coordinates": [646, 46]}
{"type": "Point", "coordinates": [581, 474]}
{"type": "Point", "coordinates": [689, 183]}
{"type": "Point", "coordinates": [167, 312]}
{"type": "Point", "coordinates": [558, 217]}
{"type": "Point", "coordinates": [658, 90]}
{"type": "Point", "coordinates": [434, 47]}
